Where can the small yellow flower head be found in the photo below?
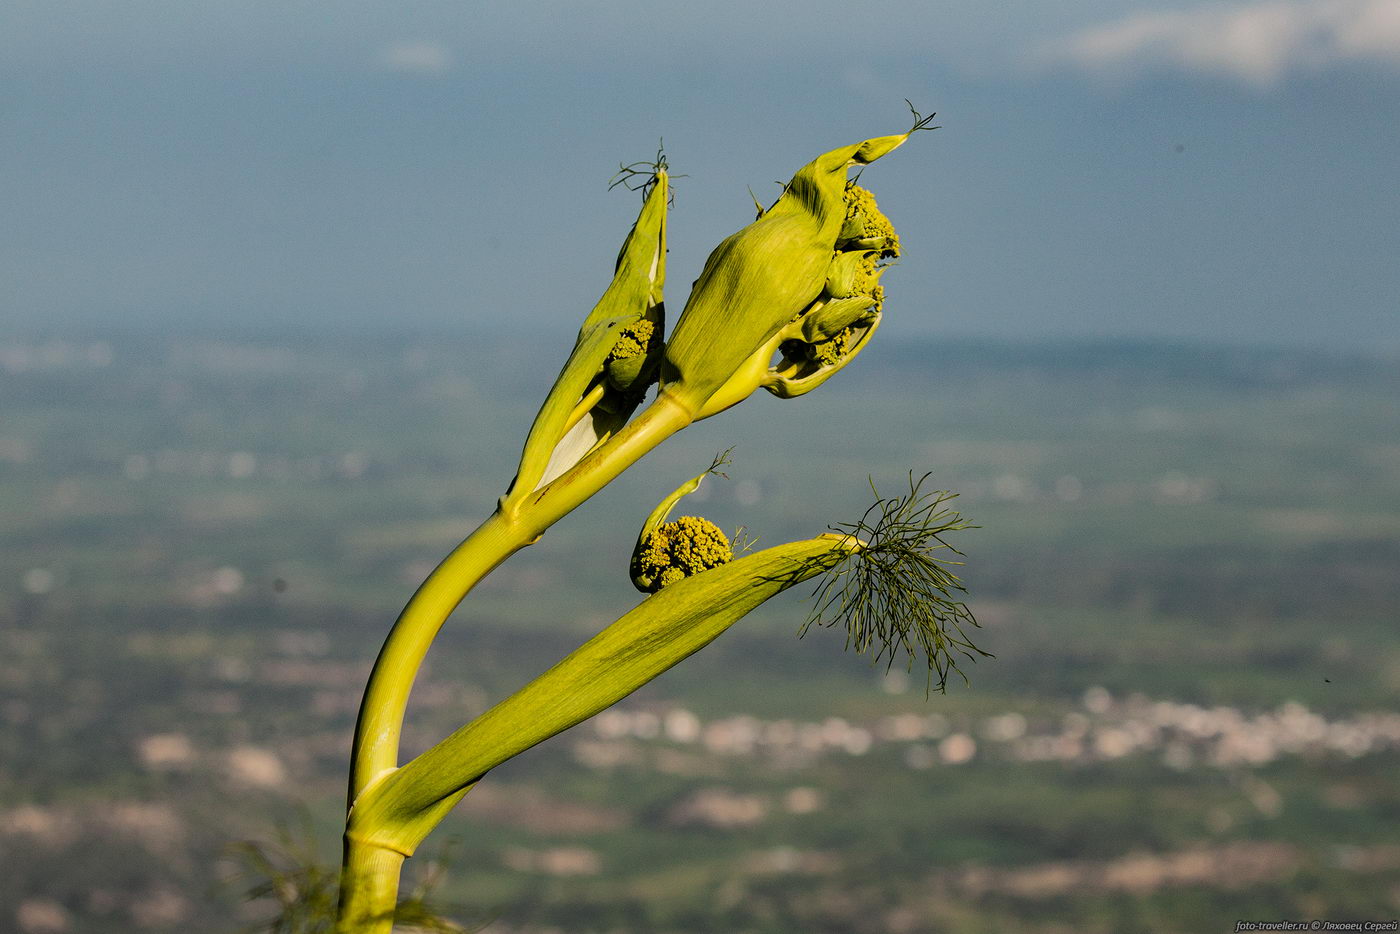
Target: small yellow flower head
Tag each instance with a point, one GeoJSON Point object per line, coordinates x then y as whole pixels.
{"type": "Point", "coordinates": [637, 345]}
{"type": "Point", "coordinates": [679, 549]}
{"type": "Point", "coordinates": [822, 353]}
{"type": "Point", "coordinates": [670, 551]}
{"type": "Point", "coordinates": [634, 341]}
{"type": "Point", "coordinates": [866, 227]}
{"type": "Point", "coordinates": [829, 333]}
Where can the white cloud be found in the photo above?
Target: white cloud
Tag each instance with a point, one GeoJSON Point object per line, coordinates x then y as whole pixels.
{"type": "Point", "coordinates": [415, 57]}
{"type": "Point", "coordinates": [1257, 42]}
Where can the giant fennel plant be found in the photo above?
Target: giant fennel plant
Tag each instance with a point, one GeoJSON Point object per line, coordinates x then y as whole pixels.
{"type": "Point", "coordinates": [782, 305]}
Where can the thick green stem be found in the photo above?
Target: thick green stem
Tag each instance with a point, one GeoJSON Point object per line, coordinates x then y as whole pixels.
{"type": "Point", "coordinates": [369, 889]}
{"type": "Point", "coordinates": [375, 870]}
{"type": "Point", "coordinates": [376, 744]}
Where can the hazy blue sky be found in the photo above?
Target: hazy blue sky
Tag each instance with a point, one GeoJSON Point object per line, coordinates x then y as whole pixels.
{"type": "Point", "coordinates": [1220, 171]}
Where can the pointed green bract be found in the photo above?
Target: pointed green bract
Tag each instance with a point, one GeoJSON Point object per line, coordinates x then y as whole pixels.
{"type": "Point", "coordinates": [759, 280]}
{"type": "Point", "coordinates": [402, 807]}
{"type": "Point", "coordinates": [829, 320]}
{"type": "Point", "coordinates": [609, 333]}
{"type": "Point", "coordinates": [663, 509]}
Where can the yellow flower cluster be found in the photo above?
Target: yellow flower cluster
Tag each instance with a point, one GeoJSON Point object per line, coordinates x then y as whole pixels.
{"type": "Point", "coordinates": [827, 353]}
{"type": "Point", "coordinates": [679, 549]}
{"type": "Point", "coordinates": [853, 292]}
{"type": "Point", "coordinates": [626, 366]}
{"type": "Point", "coordinates": [633, 341]}
{"type": "Point", "coordinates": [867, 225]}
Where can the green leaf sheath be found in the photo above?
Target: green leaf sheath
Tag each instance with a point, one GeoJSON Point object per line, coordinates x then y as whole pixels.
{"type": "Point", "coordinates": [402, 808]}
{"type": "Point", "coordinates": [635, 292]}
{"type": "Point", "coordinates": [759, 279]}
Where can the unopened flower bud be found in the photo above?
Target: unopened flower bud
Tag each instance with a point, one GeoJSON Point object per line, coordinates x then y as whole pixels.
{"type": "Point", "coordinates": [615, 355]}
{"type": "Point", "coordinates": [670, 551]}
{"type": "Point", "coordinates": [757, 284]}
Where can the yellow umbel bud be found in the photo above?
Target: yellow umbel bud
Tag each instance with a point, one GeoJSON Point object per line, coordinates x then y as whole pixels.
{"type": "Point", "coordinates": [670, 551]}
{"type": "Point", "coordinates": [866, 227]}
{"type": "Point", "coordinates": [677, 550]}
{"type": "Point", "coordinates": [637, 345]}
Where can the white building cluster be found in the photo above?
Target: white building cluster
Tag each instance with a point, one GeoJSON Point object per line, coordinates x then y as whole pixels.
{"type": "Point", "coordinates": [1182, 735]}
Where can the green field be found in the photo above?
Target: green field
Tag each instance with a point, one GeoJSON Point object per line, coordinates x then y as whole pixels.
{"type": "Point", "coordinates": [1187, 566]}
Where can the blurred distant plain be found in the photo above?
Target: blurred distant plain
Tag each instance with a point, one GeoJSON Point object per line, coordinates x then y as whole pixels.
{"type": "Point", "coordinates": [283, 285]}
{"type": "Point", "coordinates": [1185, 566]}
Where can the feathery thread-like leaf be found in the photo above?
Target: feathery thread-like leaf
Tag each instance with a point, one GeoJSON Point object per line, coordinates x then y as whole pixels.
{"type": "Point", "coordinates": [898, 591]}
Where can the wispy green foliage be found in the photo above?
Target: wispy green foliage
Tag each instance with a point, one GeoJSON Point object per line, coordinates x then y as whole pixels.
{"type": "Point", "coordinates": [898, 591]}
{"type": "Point", "coordinates": [642, 176]}
{"type": "Point", "coordinates": [302, 891]}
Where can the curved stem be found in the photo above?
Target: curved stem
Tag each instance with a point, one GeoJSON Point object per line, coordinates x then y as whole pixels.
{"type": "Point", "coordinates": [663, 418]}
{"type": "Point", "coordinates": [376, 745]}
